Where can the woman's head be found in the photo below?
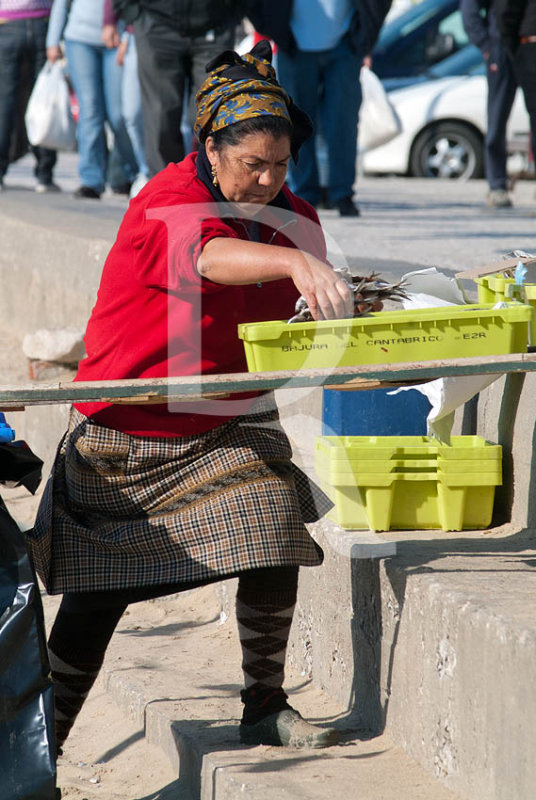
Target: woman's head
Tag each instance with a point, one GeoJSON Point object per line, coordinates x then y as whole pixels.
{"type": "Point", "coordinates": [249, 125]}
{"type": "Point", "coordinates": [249, 159]}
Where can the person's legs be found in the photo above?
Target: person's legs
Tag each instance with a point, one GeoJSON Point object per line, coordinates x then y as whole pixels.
{"type": "Point", "coordinates": [502, 87]}
{"type": "Point", "coordinates": [131, 106]}
{"type": "Point", "coordinates": [162, 53]}
{"type": "Point", "coordinates": [265, 604]}
{"type": "Point", "coordinates": [11, 52]}
{"type": "Point", "coordinates": [203, 50]}
{"type": "Point", "coordinates": [112, 83]}
{"type": "Point", "coordinates": [339, 113]}
{"type": "Point", "coordinates": [45, 158]}
{"type": "Point", "coordinates": [525, 69]}
{"type": "Point", "coordinates": [85, 69]}
{"type": "Point", "coordinates": [300, 76]}
{"type": "Point", "coordinates": [78, 640]}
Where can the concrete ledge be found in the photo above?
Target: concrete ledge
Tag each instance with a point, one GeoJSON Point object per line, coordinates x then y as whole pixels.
{"type": "Point", "coordinates": [435, 647]}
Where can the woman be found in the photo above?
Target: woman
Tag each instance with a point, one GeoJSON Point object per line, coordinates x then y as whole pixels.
{"type": "Point", "coordinates": [96, 77]}
{"type": "Point", "coordinates": [149, 500]}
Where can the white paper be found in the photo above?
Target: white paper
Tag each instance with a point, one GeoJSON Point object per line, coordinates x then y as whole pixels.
{"type": "Point", "coordinates": [429, 288]}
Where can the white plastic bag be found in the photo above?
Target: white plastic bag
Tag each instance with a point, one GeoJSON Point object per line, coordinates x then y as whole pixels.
{"type": "Point", "coordinates": [378, 120]}
{"type": "Point", "coordinates": [49, 120]}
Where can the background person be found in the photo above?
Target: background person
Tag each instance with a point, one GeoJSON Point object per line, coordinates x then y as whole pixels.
{"type": "Point", "coordinates": [131, 108]}
{"type": "Point", "coordinates": [482, 28]}
{"type": "Point", "coordinates": [96, 77]}
{"type": "Point", "coordinates": [151, 500]}
{"type": "Point", "coordinates": [321, 47]}
{"type": "Point", "coordinates": [518, 29]}
{"type": "Point", "coordinates": [175, 39]}
{"type": "Point", "coordinates": [23, 27]}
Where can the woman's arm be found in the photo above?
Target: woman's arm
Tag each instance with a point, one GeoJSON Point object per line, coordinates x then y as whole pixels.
{"type": "Point", "coordinates": [56, 25]}
{"type": "Point", "coordinates": [235, 262]}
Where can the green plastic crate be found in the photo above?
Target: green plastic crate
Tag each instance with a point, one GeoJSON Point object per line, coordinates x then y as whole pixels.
{"type": "Point", "coordinates": [498, 289]}
{"type": "Point", "coordinates": [409, 482]}
{"type": "Point", "coordinates": [414, 502]}
{"type": "Point", "coordinates": [387, 337]}
{"type": "Point", "coordinates": [349, 448]}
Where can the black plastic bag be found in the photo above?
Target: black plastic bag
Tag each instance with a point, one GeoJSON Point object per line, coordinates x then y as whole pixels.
{"type": "Point", "coordinates": [27, 746]}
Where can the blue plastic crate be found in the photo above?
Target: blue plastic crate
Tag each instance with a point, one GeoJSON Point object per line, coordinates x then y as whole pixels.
{"type": "Point", "coordinates": [374, 413]}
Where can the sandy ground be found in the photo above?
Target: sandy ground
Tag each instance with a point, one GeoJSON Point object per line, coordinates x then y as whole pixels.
{"type": "Point", "coordinates": [106, 756]}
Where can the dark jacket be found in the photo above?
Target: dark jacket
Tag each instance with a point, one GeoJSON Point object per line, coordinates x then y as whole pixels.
{"type": "Point", "coordinates": [272, 18]}
{"type": "Point", "coordinates": [189, 17]}
{"type": "Point", "coordinates": [480, 23]}
{"type": "Point", "coordinates": [517, 19]}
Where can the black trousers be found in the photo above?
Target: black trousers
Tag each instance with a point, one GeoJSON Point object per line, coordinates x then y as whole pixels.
{"type": "Point", "coordinates": [502, 85]}
{"type": "Point", "coordinates": [525, 69]}
{"type": "Point", "coordinates": [22, 54]}
{"type": "Point", "coordinates": [171, 68]}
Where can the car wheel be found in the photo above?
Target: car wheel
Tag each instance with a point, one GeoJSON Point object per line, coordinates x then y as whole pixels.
{"type": "Point", "coordinates": [447, 150]}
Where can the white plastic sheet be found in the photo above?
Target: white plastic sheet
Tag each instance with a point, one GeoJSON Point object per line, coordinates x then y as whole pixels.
{"type": "Point", "coordinates": [429, 288]}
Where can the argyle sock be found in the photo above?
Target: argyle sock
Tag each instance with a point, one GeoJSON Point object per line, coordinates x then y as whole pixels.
{"type": "Point", "coordinates": [264, 617]}
{"type": "Point", "coordinates": [77, 646]}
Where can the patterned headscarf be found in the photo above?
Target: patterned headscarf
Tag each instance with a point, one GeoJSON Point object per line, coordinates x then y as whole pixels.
{"type": "Point", "coordinates": [242, 87]}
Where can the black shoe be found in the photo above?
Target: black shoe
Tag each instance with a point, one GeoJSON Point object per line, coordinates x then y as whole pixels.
{"type": "Point", "coordinates": [87, 192]}
{"type": "Point", "coordinates": [123, 188]}
{"type": "Point", "coordinates": [347, 207]}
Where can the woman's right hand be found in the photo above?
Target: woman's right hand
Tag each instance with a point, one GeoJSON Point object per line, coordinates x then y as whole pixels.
{"type": "Point", "coordinates": [326, 294]}
{"type": "Point", "coordinates": [110, 36]}
{"type": "Point", "coordinates": [53, 54]}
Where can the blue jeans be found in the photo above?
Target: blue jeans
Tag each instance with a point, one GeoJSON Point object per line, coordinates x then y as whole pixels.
{"type": "Point", "coordinates": [22, 54]}
{"type": "Point", "coordinates": [132, 113]}
{"type": "Point", "coordinates": [97, 78]}
{"type": "Point", "coordinates": [325, 84]}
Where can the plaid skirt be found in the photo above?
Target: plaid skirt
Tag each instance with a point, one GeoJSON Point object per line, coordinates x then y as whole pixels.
{"type": "Point", "coordinates": [124, 511]}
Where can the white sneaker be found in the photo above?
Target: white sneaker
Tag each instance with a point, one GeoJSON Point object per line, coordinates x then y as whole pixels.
{"type": "Point", "coordinates": [139, 182]}
{"type": "Point", "coordinates": [43, 188]}
{"type": "Point", "coordinates": [498, 198]}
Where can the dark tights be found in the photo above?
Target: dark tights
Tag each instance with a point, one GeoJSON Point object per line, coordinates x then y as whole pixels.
{"type": "Point", "coordinates": [86, 621]}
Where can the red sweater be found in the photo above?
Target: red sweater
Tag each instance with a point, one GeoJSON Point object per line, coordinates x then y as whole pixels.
{"type": "Point", "coordinates": [155, 316]}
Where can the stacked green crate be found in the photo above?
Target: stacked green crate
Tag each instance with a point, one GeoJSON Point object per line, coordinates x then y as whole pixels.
{"type": "Point", "coordinates": [409, 482]}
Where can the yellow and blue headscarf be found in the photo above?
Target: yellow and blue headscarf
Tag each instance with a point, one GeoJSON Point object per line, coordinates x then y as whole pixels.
{"type": "Point", "coordinates": [243, 87]}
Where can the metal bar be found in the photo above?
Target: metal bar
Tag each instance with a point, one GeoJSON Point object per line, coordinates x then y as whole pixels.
{"type": "Point", "coordinates": [193, 387]}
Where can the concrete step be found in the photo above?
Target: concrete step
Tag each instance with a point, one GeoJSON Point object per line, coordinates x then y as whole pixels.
{"type": "Point", "coordinates": [173, 666]}
{"type": "Point", "coordinates": [435, 647]}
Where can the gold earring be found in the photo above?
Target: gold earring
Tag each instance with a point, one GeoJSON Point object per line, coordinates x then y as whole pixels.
{"type": "Point", "coordinates": [215, 180]}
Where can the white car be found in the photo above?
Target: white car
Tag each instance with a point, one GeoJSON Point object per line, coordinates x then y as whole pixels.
{"type": "Point", "coordinates": [443, 128]}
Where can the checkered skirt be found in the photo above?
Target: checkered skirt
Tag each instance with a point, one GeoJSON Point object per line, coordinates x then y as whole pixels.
{"type": "Point", "coordinates": [124, 511]}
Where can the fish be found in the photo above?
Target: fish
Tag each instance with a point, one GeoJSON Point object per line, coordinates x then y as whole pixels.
{"type": "Point", "coordinates": [370, 292]}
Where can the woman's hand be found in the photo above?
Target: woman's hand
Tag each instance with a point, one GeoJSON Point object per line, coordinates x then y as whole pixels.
{"type": "Point", "coordinates": [110, 37]}
{"type": "Point", "coordinates": [327, 295]}
{"type": "Point", "coordinates": [53, 54]}
{"type": "Point", "coordinates": [121, 52]}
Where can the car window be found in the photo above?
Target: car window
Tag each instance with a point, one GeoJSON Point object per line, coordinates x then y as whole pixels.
{"type": "Point", "coordinates": [453, 26]}
{"type": "Point", "coordinates": [412, 19]}
{"type": "Point", "coordinates": [420, 38]}
{"type": "Point", "coordinates": [445, 38]}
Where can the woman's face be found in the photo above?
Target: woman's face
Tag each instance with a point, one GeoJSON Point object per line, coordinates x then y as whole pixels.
{"type": "Point", "coordinates": [254, 170]}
